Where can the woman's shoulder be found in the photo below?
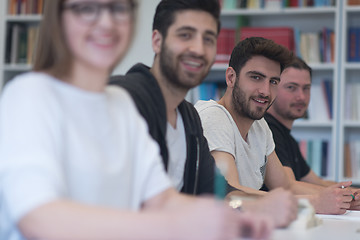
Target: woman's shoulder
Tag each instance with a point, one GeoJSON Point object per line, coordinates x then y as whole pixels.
{"type": "Point", "coordinates": [30, 85]}
{"type": "Point", "coordinates": [28, 81]}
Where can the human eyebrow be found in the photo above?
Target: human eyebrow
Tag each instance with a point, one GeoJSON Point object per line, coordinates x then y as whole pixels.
{"type": "Point", "coordinates": [297, 85]}
{"type": "Point", "coordinates": [186, 28]}
{"type": "Point", "coordinates": [292, 84]}
{"type": "Point", "coordinates": [256, 73]}
{"type": "Point", "coordinates": [211, 33]}
{"type": "Point", "coordinates": [192, 29]}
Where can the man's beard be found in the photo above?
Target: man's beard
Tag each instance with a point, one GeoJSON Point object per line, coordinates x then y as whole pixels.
{"type": "Point", "coordinates": [242, 107]}
{"type": "Point", "coordinates": [172, 73]}
{"type": "Point", "coordinates": [288, 114]}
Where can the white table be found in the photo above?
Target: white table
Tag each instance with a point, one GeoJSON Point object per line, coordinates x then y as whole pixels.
{"type": "Point", "coordinates": [333, 227]}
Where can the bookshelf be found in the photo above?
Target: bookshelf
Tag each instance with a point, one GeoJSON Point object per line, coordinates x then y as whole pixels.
{"type": "Point", "coordinates": [304, 20]}
{"type": "Point", "coordinates": [19, 21]}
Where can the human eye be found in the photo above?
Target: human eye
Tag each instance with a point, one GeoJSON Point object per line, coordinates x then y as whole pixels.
{"type": "Point", "coordinates": [274, 81]}
{"type": "Point", "coordinates": [184, 35]}
{"type": "Point", "coordinates": [85, 9]}
{"type": "Point", "coordinates": [210, 40]}
{"type": "Point", "coordinates": [255, 77]}
{"type": "Point", "coordinates": [291, 88]}
{"type": "Point", "coordinates": [120, 8]}
{"type": "Point", "coordinates": [307, 89]}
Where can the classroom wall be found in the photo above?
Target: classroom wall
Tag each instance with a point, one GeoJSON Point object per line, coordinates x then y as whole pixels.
{"type": "Point", "coordinates": [141, 49]}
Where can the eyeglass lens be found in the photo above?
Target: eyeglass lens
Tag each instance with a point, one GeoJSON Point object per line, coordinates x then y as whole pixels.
{"type": "Point", "coordinates": [90, 11]}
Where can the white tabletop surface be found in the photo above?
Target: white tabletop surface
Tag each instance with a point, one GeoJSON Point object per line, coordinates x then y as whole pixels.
{"type": "Point", "coordinates": [333, 227]}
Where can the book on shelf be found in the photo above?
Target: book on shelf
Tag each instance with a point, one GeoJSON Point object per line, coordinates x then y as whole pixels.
{"type": "Point", "coordinates": [325, 153]}
{"type": "Point", "coordinates": [352, 159]}
{"type": "Point", "coordinates": [228, 4]}
{"type": "Point", "coordinates": [13, 44]}
{"type": "Point", "coordinates": [327, 88]}
{"type": "Point", "coordinates": [320, 106]}
{"type": "Point", "coordinates": [352, 101]}
{"type": "Point", "coordinates": [20, 43]}
{"type": "Point", "coordinates": [316, 152]}
{"type": "Point", "coordinates": [313, 47]}
{"type": "Point", "coordinates": [22, 7]}
{"type": "Point", "coordinates": [254, 4]}
{"type": "Point", "coordinates": [347, 161]}
{"type": "Point", "coordinates": [280, 35]}
{"type": "Point", "coordinates": [353, 2]}
{"type": "Point", "coordinates": [353, 44]}
{"type": "Point", "coordinates": [225, 44]}
{"type": "Point", "coordinates": [273, 4]}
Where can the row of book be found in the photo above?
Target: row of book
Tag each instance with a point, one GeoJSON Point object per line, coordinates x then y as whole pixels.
{"type": "Point", "coordinates": [17, 7]}
{"type": "Point", "coordinates": [20, 43]}
{"type": "Point", "coordinates": [274, 4]}
{"type": "Point", "coordinates": [312, 47]}
{"type": "Point", "coordinates": [352, 101]}
{"type": "Point", "coordinates": [316, 47]}
{"type": "Point", "coordinates": [317, 154]}
{"type": "Point", "coordinates": [354, 44]}
{"type": "Point", "coordinates": [352, 159]}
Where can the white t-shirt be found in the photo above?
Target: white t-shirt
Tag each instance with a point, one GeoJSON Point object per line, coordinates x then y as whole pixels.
{"type": "Point", "coordinates": [223, 135]}
{"type": "Point", "coordinates": [58, 141]}
{"type": "Point", "coordinates": [176, 142]}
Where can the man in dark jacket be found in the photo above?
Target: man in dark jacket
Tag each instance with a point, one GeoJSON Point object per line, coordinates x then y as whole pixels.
{"type": "Point", "coordinates": [145, 90]}
{"type": "Point", "coordinates": [184, 41]}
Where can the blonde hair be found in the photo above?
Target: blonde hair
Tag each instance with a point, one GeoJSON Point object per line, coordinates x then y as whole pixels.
{"type": "Point", "coordinates": [52, 53]}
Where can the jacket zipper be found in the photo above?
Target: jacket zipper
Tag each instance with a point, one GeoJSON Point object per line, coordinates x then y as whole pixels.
{"type": "Point", "coordinates": [197, 165]}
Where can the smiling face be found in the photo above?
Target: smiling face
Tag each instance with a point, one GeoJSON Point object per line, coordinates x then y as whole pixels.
{"type": "Point", "coordinates": [100, 44]}
{"type": "Point", "coordinates": [188, 51]}
{"type": "Point", "coordinates": [293, 94]}
{"type": "Point", "coordinates": [256, 87]}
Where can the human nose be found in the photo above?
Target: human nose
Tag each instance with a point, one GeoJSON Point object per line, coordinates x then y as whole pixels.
{"type": "Point", "coordinates": [105, 17]}
{"type": "Point", "coordinates": [197, 46]}
{"type": "Point", "coordinates": [300, 95]}
{"type": "Point", "coordinates": [264, 89]}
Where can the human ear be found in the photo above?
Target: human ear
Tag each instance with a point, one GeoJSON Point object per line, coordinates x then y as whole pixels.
{"type": "Point", "coordinates": [156, 41]}
{"type": "Point", "coordinates": [230, 77]}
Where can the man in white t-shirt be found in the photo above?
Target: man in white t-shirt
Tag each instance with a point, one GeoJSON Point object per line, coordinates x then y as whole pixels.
{"type": "Point", "coordinates": [238, 135]}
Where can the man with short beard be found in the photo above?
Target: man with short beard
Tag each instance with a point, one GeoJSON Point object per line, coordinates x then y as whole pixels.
{"type": "Point", "coordinates": [240, 139]}
{"type": "Point", "coordinates": [291, 103]}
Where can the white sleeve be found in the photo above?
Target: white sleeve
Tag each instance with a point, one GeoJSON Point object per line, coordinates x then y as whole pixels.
{"type": "Point", "coordinates": [270, 146]}
{"type": "Point", "coordinates": [218, 130]}
{"type": "Point", "coordinates": [150, 178]}
{"type": "Point", "coordinates": [29, 175]}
